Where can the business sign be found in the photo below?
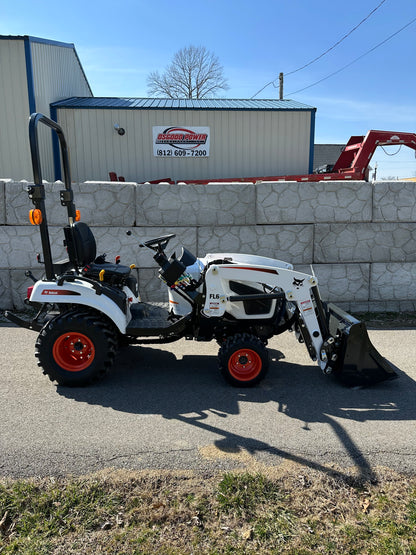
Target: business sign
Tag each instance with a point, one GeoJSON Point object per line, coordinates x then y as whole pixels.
{"type": "Point", "coordinates": [178, 142]}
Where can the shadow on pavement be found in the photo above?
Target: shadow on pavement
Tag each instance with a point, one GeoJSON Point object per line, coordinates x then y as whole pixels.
{"type": "Point", "coordinates": [153, 381]}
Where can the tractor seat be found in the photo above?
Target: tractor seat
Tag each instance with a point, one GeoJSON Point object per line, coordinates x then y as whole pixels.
{"type": "Point", "coordinates": [82, 251]}
{"type": "Point", "coordinates": [112, 272]}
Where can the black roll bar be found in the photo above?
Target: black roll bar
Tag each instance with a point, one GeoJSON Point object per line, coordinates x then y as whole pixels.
{"type": "Point", "coordinates": [37, 191]}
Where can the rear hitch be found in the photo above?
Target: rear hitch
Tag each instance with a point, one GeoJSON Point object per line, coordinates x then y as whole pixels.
{"type": "Point", "coordinates": [33, 325]}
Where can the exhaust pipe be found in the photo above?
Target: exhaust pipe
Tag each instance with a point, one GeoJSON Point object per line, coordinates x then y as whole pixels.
{"type": "Point", "coordinates": [359, 363]}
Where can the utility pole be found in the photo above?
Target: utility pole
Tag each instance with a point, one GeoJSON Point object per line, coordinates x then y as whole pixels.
{"type": "Point", "coordinates": [280, 86]}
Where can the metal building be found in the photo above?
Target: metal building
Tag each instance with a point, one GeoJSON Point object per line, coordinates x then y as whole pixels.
{"type": "Point", "coordinates": [33, 73]}
{"type": "Point", "coordinates": [145, 139]}
{"type": "Point", "coordinates": [141, 139]}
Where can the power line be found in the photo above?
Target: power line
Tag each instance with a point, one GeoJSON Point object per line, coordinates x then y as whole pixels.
{"type": "Point", "coordinates": [337, 43]}
{"type": "Point", "coordinates": [356, 59]}
{"type": "Point", "coordinates": [326, 51]}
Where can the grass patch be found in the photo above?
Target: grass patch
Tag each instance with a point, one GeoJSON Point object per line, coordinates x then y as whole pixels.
{"type": "Point", "coordinates": [36, 511]}
{"type": "Point", "coordinates": [242, 494]}
{"type": "Point", "coordinates": [289, 510]}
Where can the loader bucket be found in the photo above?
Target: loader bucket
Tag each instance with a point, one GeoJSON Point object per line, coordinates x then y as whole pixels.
{"type": "Point", "coordinates": [359, 362]}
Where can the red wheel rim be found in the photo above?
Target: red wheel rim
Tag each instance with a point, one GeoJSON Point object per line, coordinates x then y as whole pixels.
{"type": "Point", "coordinates": [245, 365]}
{"type": "Point", "coordinates": [73, 351]}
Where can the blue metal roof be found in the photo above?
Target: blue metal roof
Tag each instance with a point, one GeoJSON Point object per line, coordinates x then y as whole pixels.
{"type": "Point", "coordinates": [180, 104]}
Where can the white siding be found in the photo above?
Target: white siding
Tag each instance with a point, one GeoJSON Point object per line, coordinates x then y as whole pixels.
{"type": "Point", "coordinates": [242, 144]}
{"type": "Point", "coordinates": [57, 74]}
{"type": "Point", "coordinates": [14, 112]}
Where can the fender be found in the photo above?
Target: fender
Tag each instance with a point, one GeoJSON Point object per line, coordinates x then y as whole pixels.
{"type": "Point", "coordinates": [78, 293]}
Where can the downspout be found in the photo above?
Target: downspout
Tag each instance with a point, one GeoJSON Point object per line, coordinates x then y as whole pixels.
{"type": "Point", "coordinates": [312, 140]}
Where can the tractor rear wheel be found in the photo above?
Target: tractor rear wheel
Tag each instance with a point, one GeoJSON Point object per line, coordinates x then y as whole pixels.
{"type": "Point", "coordinates": [243, 360]}
{"type": "Point", "coordinates": [76, 348]}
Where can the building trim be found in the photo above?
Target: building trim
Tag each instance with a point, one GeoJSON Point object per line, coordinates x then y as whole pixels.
{"type": "Point", "coordinates": [55, 148]}
{"type": "Point", "coordinates": [52, 42]}
{"type": "Point", "coordinates": [29, 75]}
{"type": "Point", "coordinates": [312, 140]}
{"type": "Point", "coordinates": [36, 39]}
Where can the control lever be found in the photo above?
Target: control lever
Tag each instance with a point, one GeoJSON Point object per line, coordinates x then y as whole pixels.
{"type": "Point", "coordinates": [29, 274]}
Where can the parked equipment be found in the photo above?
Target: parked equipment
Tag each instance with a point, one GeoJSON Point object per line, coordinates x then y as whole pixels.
{"type": "Point", "coordinates": [88, 306]}
{"type": "Point", "coordinates": [352, 164]}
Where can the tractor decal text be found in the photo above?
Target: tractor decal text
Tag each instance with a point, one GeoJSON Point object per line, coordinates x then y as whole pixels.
{"type": "Point", "coordinates": [58, 292]}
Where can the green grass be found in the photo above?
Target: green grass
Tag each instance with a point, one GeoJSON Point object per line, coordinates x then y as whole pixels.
{"type": "Point", "coordinates": [274, 511]}
{"type": "Point", "coordinates": [32, 513]}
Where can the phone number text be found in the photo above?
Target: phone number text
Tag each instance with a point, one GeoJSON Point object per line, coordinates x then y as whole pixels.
{"type": "Point", "coordinates": [181, 153]}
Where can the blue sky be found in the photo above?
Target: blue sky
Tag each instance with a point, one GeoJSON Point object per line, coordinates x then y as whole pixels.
{"type": "Point", "coordinates": [119, 43]}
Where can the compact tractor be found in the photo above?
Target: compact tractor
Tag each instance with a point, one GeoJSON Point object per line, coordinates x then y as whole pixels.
{"type": "Point", "coordinates": [87, 307]}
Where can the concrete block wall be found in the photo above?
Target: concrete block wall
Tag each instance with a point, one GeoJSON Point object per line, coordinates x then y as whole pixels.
{"type": "Point", "coordinates": [359, 237]}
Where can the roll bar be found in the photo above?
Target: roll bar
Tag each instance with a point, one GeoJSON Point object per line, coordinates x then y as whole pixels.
{"type": "Point", "coordinates": [37, 190]}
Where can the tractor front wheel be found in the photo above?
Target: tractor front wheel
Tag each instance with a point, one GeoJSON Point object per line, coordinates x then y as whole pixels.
{"type": "Point", "coordinates": [76, 348]}
{"type": "Point", "coordinates": [243, 360]}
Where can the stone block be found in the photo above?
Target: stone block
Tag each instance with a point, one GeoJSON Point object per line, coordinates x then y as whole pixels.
{"type": "Point", "coordinates": [409, 305]}
{"type": "Point", "coordinates": [20, 244]}
{"type": "Point", "coordinates": [353, 307]}
{"type": "Point", "coordinates": [358, 307]}
{"type": "Point", "coordinates": [365, 242]}
{"type": "Point", "coordinates": [323, 201]}
{"type": "Point", "coordinates": [291, 243]}
{"type": "Point", "coordinates": [384, 306]}
{"type": "Point", "coordinates": [394, 201]}
{"type": "Point", "coordinates": [100, 203]}
{"type": "Point", "coordinates": [18, 204]}
{"type": "Point", "coordinates": [341, 282]}
{"type": "Point", "coordinates": [106, 203]}
{"type": "Point", "coordinates": [379, 306]}
{"type": "Point", "coordinates": [395, 282]}
{"type": "Point", "coordinates": [212, 204]}
{"type": "Point", "coordinates": [6, 301]}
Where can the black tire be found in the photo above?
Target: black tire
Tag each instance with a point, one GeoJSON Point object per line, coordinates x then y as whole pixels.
{"type": "Point", "coordinates": [243, 360]}
{"type": "Point", "coordinates": [76, 348]}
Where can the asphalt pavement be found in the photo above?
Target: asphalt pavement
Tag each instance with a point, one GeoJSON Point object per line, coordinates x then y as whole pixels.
{"type": "Point", "coordinates": [167, 407]}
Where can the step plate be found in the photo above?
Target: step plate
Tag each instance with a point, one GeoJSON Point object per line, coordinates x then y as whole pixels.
{"type": "Point", "coordinates": [151, 320]}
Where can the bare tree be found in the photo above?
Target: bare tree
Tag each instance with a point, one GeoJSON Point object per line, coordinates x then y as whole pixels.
{"type": "Point", "coordinates": [193, 73]}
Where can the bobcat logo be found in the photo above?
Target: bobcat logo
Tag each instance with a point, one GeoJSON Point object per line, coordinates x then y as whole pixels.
{"type": "Point", "coordinates": [298, 283]}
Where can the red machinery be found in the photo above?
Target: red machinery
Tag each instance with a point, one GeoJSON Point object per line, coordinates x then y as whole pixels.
{"type": "Point", "coordinates": [352, 163]}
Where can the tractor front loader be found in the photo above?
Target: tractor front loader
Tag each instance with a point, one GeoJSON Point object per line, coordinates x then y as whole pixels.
{"type": "Point", "coordinates": [88, 306]}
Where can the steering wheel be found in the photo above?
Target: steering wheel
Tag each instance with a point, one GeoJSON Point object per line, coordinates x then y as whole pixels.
{"type": "Point", "coordinates": [159, 244]}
